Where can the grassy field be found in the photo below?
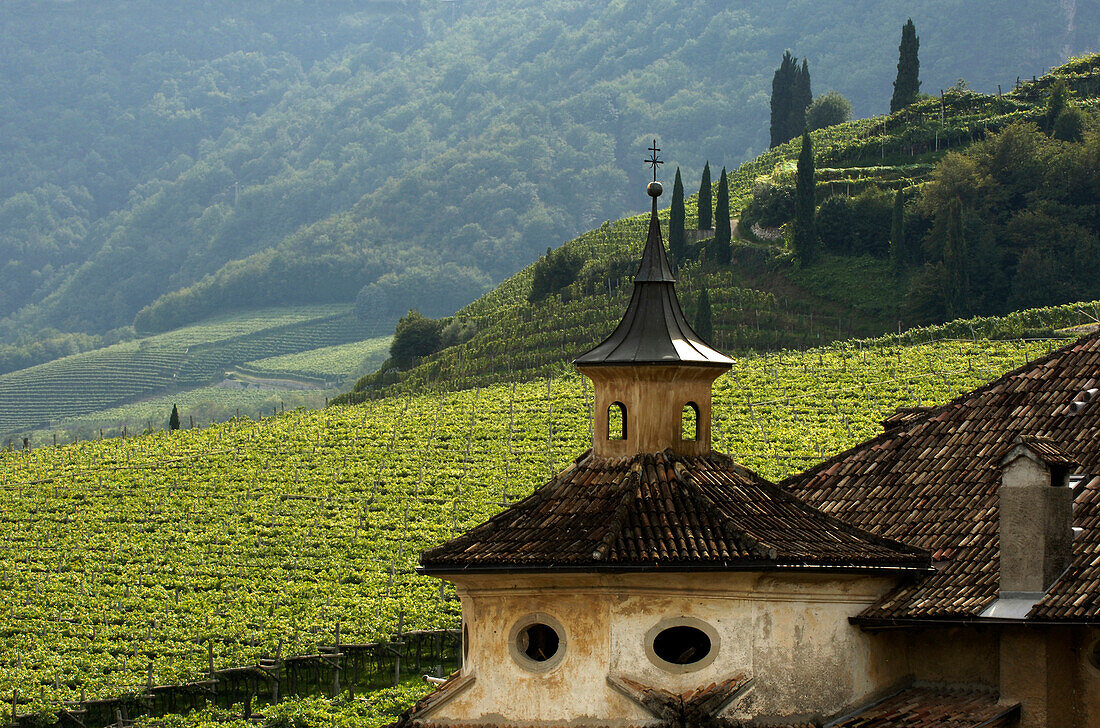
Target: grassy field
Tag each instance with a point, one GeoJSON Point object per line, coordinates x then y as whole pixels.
{"type": "Point", "coordinates": [129, 555]}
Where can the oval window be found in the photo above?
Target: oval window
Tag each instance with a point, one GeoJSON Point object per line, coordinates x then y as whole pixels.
{"type": "Point", "coordinates": [1094, 655]}
{"type": "Point", "coordinates": [681, 645]}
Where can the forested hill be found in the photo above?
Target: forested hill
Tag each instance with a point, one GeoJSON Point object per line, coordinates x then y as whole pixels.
{"type": "Point", "coordinates": [170, 160]}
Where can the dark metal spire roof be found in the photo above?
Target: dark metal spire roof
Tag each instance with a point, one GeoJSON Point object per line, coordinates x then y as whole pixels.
{"type": "Point", "coordinates": [654, 329]}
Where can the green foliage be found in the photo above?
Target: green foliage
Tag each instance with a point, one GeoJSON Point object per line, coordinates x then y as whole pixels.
{"type": "Point", "coordinates": [1012, 223]}
{"type": "Point", "coordinates": [676, 241]}
{"type": "Point", "coordinates": [899, 253]}
{"type": "Point", "coordinates": [907, 84]}
{"type": "Point", "coordinates": [442, 289]}
{"type": "Point", "coordinates": [1070, 125]}
{"type": "Point", "coordinates": [414, 337]}
{"type": "Point", "coordinates": [858, 225]}
{"type": "Point", "coordinates": [375, 709]}
{"type": "Point", "coordinates": [722, 220]}
{"type": "Point", "coordinates": [804, 237]}
{"type": "Point", "coordinates": [174, 419]}
{"type": "Point", "coordinates": [552, 273]}
{"type": "Point", "coordinates": [704, 202]}
{"type": "Point", "coordinates": [828, 109]}
{"type": "Point", "coordinates": [1056, 102]}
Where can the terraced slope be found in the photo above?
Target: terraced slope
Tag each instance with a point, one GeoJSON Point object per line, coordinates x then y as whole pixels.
{"type": "Point", "coordinates": [178, 360]}
{"type": "Point", "coordinates": [762, 300]}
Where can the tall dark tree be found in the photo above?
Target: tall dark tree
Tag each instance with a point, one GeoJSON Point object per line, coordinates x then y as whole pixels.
{"type": "Point", "coordinates": [782, 99]}
{"type": "Point", "coordinates": [801, 98]}
{"type": "Point", "coordinates": [704, 320]}
{"type": "Point", "coordinates": [704, 214]}
{"type": "Point", "coordinates": [898, 251]}
{"type": "Point", "coordinates": [907, 85]}
{"type": "Point", "coordinates": [174, 419]}
{"type": "Point", "coordinates": [722, 220]}
{"type": "Point", "coordinates": [956, 259]}
{"type": "Point", "coordinates": [804, 239]}
{"type": "Point", "coordinates": [676, 220]}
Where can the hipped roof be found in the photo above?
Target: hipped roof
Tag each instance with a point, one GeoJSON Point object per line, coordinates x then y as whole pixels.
{"type": "Point", "coordinates": [664, 511]}
{"type": "Point", "coordinates": [933, 482]}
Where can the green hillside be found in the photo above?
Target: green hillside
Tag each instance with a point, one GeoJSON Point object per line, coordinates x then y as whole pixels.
{"type": "Point", "coordinates": [122, 554]}
{"type": "Point", "coordinates": [215, 157]}
{"type": "Point", "coordinates": [1027, 216]}
{"type": "Point", "coordinates": [195, 356]}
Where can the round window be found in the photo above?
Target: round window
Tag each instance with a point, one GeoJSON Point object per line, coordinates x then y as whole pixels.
{"type": "Point", "coordinates": [1094, 655]}
{"type": "Point", "coordinates": [682, 644]}
{"type": "Point", "coordinates": [537, 642]}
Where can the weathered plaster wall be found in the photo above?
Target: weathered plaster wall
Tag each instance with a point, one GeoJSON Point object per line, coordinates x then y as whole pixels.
{"type": "Point", "coordinates": [789, 632]}
{"type": "Point", "coordinates": [1088, 693]}
{"type": "Point", "coordinates": [954, 655]}
{"type": "Point", "coordinates": [1040, 668]}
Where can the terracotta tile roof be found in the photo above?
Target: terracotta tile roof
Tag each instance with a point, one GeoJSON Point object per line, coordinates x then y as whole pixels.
{"type": "Point", "coordinates": [664, 510]}
{"type": "Point", "coordinates": [694, 707]}
{"type": "Point", "coordinates": [933, 482]}
{"type": "Point", "coordinates": [927, 707]}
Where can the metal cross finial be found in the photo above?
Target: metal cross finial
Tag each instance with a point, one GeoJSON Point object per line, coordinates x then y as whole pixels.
{"type": "Point", "coordinates": [654, 161]}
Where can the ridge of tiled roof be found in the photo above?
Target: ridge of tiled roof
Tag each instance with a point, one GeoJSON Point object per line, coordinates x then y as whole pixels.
{"type": "Point", "coordinates": [933, 483]}
{"type": "Point", "coordinates": [1048, 450]}
{"type": "Point", "coordinates": [666, 511]}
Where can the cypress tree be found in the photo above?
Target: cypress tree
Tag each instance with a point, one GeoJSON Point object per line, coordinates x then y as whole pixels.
{"type": "Point", "coordinates": [704, 324]}
{"type": "Point", "coordinates": [907, 85]}
{"type": "Point", "coordinates": [782, 98]}
{"type": "Point", "coordinates": [898, 252]}
{"type": "Point", "coordinates": [805, 231]}
{"type": "Point", "coordinates": [174, 419]}
{"type": "Point", "coordinates": [722, 220]}
{"type": "Point", "coordinates": [676, 220]}
{"type": "Point", "coordinates": [801, 98]}
{"type": "Point", "coordinates": [956, 258]}
{"type": "Point", "coordinates": [704, 199]}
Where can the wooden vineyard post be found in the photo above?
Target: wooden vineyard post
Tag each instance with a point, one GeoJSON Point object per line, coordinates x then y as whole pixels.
{"type": "Point", "coordinates": [397, 651]}
{"type": "Point", "coordinates": [336, 665]}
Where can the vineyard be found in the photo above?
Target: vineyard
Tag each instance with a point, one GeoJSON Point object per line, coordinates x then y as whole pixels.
{"type": "Point", "coordinates": [82, 384]}
{"type": "Point", "coordinates": [331, 363]}
{"type": "Point", "coordinates": [760, 301]}
{"type": "Point", "coordinates": [151, 559]}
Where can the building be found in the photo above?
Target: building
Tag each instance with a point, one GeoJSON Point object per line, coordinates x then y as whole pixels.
{"type": "Point", "coordinates": [657, 582]}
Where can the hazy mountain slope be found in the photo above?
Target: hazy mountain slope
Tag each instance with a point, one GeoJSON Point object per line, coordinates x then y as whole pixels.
{"type": "Point", "coordinates": [460, 140]}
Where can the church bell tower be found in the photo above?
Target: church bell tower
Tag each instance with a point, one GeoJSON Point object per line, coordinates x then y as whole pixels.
{"type": "Point", "coordinates": [652, 377]}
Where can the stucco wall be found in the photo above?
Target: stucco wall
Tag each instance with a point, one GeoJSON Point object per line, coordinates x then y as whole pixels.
{"type": "Point", "coordinates": [1089, 681]}
{"type": "Point", "coordinates": [789, 632]}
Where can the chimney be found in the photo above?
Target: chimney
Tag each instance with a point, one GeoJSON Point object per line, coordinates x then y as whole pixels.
{"type": "Point", "coordinates": [1036, 516]}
